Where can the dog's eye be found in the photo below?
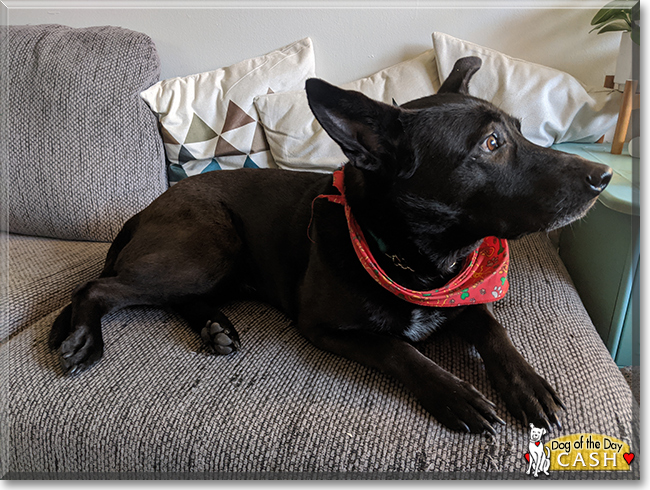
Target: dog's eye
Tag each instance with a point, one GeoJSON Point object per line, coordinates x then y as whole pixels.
{"type": "Point", "coordinates": [491, 143]}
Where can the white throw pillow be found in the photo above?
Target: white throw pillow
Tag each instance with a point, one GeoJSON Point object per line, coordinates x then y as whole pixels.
{"type": "Point", "coordinates": [553, 106]}
{"type": "Point", "coordinates": [297, 140]}
{"type": "Point", "coordinates": [208, 120]}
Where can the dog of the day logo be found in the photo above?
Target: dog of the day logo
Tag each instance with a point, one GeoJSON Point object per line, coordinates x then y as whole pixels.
{"type": "Point", "coordinates": [576, 452]}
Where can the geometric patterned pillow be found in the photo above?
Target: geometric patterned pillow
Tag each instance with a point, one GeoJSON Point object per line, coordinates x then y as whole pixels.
{"type": "Point", "coordinates": [208, 120]}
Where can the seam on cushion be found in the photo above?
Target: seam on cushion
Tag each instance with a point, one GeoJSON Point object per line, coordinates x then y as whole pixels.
{"type": "Point", "coordinates": [287, 57]}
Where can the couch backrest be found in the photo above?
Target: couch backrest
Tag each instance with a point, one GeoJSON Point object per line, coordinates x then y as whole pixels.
{"type": "Point", "coordinates": [80, 149]}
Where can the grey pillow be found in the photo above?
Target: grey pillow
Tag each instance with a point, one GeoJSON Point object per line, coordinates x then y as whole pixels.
{"type": "Point", "coordinates": [80, 150]}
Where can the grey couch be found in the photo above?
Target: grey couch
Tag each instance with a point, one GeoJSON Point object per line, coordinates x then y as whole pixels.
{"type": "Point", "coordinates": [80, 153]}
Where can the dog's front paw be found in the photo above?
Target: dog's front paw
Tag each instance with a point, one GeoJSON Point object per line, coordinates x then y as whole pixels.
{"type": "Point", "coordinates": [220, 339]}
{"type": "Point", "coordinates": [81, 349]}
{"type": "Point", "coordinates": [527, 395]}
{"type": "Point", "coordinates": [458, 405]}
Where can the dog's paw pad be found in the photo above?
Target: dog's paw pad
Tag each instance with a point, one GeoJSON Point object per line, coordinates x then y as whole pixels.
{"type": "Point", "coordinates": [219, 339]}
{"type": "Point", "coordinates": [222, 339]}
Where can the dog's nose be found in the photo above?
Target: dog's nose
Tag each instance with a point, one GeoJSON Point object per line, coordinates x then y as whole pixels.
{"type": "Point", "coordinates": [599, 178]}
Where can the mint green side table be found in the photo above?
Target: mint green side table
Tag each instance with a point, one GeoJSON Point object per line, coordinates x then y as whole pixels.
{"type": "Point", "coordinates": [602, 252]}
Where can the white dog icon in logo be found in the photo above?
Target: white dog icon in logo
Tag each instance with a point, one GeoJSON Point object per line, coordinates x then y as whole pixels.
{"type": "Point", "coordinates": [538, 460]}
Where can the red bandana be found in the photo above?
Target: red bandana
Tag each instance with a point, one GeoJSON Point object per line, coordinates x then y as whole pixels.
{"type": "Point", "coordinates": [483, 278]}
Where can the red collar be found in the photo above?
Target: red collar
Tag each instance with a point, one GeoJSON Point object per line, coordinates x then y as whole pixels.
{"type": "Point", "coordinates": [482, 279]}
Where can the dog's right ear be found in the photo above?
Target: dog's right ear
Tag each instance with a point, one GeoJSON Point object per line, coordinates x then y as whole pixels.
{"type": "Point", "coordinates": [458, 80]}
{"type": "Point", "coordinates": [368, 132]}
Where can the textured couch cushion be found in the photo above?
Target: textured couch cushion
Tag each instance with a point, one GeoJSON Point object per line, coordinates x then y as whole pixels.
{"type": "Point", "coordinates": [80, 149]}
{"type": "Point", "coordinates": [297, 140]}
{"type": "Point", "coordinates": [208, 120]}
{"type": "Point", "coordinates": [159, 406]}
{"type": "Point", "coordinates": [39, 274]}
{"type": "Point", "coordinates": [553, 106]}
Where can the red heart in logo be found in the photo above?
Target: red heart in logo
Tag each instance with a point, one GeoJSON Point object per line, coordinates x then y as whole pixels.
{"type": "Point", "coordinates": [537, 443]}
{"type": "Point", "coordinates": [527, 456]}
{"type": "Point", "coordinates": [628, 457]}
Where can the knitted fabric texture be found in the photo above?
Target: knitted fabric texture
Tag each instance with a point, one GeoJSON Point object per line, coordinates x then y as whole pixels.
{"type": "Point", "coordinates": [158, 405]}
{"type": "Point", "coordinates": [80, 149]}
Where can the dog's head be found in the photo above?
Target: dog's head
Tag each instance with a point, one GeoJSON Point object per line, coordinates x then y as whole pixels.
{"type": "Point", "coordinates": [453, 161]}
{"type": "Point", "coordinates": [536, 434]}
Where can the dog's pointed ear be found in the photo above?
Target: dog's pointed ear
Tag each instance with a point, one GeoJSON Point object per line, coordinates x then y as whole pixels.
{"type": "Point", "coordinates": [532, 426]}
{"type": "Point", "coordinates": [458, 80]}
{"type": "Point", "coordinates": [366, 130]}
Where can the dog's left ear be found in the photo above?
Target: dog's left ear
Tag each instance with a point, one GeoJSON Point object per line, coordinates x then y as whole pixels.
{"type": "Point", "coordinates": [368, 132]}
{"type": "Point", "coordinates": [458, 80]}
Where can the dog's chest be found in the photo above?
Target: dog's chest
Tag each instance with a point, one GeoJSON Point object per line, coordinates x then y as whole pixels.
{"type": "Point", "coordinates": [423, 322]}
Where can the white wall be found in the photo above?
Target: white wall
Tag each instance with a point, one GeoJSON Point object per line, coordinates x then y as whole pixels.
{"type": "Point", "coordinates": [349, 42]}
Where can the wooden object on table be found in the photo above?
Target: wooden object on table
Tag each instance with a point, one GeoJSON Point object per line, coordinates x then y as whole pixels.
{"type": "Point", "coordinates": [631, 100]}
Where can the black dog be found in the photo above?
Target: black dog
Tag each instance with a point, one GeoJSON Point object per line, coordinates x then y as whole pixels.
{"type": "Point", "coordinates": [425, 182]}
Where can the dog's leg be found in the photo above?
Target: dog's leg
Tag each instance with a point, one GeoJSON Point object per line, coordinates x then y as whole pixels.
{"type": "Point", "coordinates": [546, 455]}
{"type": "Point", "coordinates": [155, 262]}
{"type": "Point", "coordinates": [62, 326]}
{"type": "Point", "coordinates": [215, 328]}
{"type": "Point", "coordinates": [528, 396]}
{"type": "Point", "coordinates": [453, 402]}
{"type": "Point", "coordinates": [533, 463]}
{"type": "Point", "coordinates": [84, 346]}
{"type": "Point", "coordinates": [547, 463]}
